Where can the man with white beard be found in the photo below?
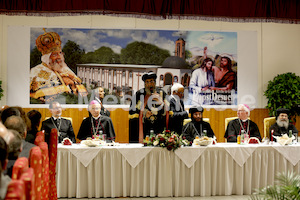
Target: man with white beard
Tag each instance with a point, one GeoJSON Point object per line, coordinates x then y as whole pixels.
{"type": "Point", "coordinates": [53, 77]}
{"type": "Point", "coordinates": [282, 125]}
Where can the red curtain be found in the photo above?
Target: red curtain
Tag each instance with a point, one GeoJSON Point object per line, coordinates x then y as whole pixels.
{"type": "Point", "coordinates": [228, 10]}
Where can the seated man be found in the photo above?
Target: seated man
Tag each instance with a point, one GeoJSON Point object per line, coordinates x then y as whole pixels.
{"type": "Point", "coordinates": [241, 123]}
{"type": "Point", "coordinates": [282, 125]}
{"type": "Point", "coordinates": [177, 112]}
{"type": "Point", "coordinates": [197, 127]}
{"type": "Point", "coordinates": [96, 124]}
{"type": "Point", "coordinates": [14, 150]}
{"type": "Point", "coordinates": [64, 126]}
{"type": "Point", "coordinates": [18, 124]}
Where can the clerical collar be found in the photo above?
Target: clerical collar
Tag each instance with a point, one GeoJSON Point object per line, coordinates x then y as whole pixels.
{"type": "Point", "coordinates": [244, 120]}
{"type": "Point", "coordinates": [55, 118]}
{"type": "Point", "coordinates": [96, 118]}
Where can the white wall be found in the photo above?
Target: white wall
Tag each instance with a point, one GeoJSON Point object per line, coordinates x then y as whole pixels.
{"type": "Point", "coordinates": [278, 44]}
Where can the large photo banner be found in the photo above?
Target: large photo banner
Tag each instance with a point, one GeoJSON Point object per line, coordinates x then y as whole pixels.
{"type": "Point", "coordinates": [74, 66]}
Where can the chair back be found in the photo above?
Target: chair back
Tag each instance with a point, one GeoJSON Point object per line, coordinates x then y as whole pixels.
{"type": "Point", "coordinates": [35, 160]}
{"type": "Point", "coordinates": [268, 122]}
{"type": "Point", "coordinates": [20, 165]}
{"type": "Point", "coordinates": [52, 166]}
{"type": "Point", "coordinates": [28, 178]}
{"type": "Point", "coordinates": [40, 137]}
{"type": "Point", "coordinates": [185, 121]}
{"type": "Point", "coordinates": [45, 170]}
{"type": "Point", "coordinates": [16, 190]}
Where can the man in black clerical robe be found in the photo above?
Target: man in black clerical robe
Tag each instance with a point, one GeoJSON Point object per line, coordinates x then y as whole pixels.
{"type": "Point", "coordinates": [147, 110]}
{"type": "Point", "coordinates": [96, 124]}
{"type": "Point", "coordinates": [176, 112]}
{"type": "Point", "coordinates": [235, 126]}
{"type": "Point", "coordinates": [64, 126]}
{"type": "Point", "coordinates": [197, 127]}
{"type": "Point", "coordinates": [282, 125]}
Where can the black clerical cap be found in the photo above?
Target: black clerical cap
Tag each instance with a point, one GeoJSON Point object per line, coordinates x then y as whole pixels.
{"type": "Point", "coordinates": [149, 75]}
{"type": "Point", "coordinates": [196, 109]}
{"type": "Point", "coordinates": [282, 110]}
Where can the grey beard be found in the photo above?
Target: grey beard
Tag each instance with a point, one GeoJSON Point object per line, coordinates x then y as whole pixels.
{"type": "Point", "coordinates": [284, 124]}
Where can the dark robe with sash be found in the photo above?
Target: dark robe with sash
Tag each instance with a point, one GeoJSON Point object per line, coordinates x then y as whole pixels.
{"type": "Point", "coordinates": [137, 115]}
{"type": "Point", "coordinates": [103, 123]}
{"type": "Point", "coordinates": [229, 77]}
{"type": "Point", "coordinates": [234, 129]}
{"type": "Point", "coordinates": [193, 129]}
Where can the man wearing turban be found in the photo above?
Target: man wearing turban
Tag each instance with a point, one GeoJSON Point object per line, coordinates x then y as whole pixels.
{"type": "Point", "coordinates": [53, 77]}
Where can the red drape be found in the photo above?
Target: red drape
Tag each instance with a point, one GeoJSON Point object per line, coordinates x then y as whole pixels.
{"type": "Point", "coordinates": [228, 10]}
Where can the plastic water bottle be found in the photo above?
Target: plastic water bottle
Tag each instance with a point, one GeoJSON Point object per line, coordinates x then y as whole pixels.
{"type": "Point", "coordinates": [242, 137]}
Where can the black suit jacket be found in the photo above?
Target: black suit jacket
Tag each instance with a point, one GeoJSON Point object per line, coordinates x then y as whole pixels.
{"type": "Point", "coordinates": [65, 129]}
{"type": "Point", "coordinates": [177, 115]}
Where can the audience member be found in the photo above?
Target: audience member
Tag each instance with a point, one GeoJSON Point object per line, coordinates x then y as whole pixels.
{"type": "Point", "coordinates": [147, 110]}
{"type": "Point", "coordinates": [10, 111]}
{"type": "Point", "coordinates": [24, 117]}
{"type": "Point", "coordinates": [4, 179]}
{"type": "Point", "coordinates": [283, 125]}
{"type": "Point", "coordinates": [96, 123]}
{"type": "Point", "coordinates": [235, 126]}
{"type": "Point", "coordinates": [177, 112]}
{"type": "Point", "coordinates": [197, 127]}
{"type": "Point", "coordinates": [64, 126]}
{"type": "Point", "coordinates": [14, 150]}
{"type": "Point", "coordinates": [18, 124]}
{"type": "Point", "coordinates": [35, 118]}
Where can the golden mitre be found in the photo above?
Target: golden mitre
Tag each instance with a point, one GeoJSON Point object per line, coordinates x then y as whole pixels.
{"type": "Point", "coordinates": [48, 42]}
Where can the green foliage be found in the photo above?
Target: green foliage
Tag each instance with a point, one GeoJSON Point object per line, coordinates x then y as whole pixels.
{"type": "Point", "coordinates": [286, 187]}
{"type": "Point", "coordinates": [283, 91]}
{"type": "Point", "coordinates": [35, 57]}
{"type": "Point", "coordinates": [103, 55]}
{"type": "Point", "coordinates": [141, 53]}
{"type": "Point", "coordinates": [73, 54]}
{"type": "Point", "coordinates": [1, 90]}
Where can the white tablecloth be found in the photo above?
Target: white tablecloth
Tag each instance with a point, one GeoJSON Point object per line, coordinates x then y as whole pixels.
{"type": "Point", "coordinates": [135, 171]}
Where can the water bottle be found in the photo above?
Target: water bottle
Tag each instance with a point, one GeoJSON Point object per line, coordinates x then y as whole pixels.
{"type": "Point", "coordinates": [205, 132]}
{"type": "Point", "coordinates": [100, 134]}
{"type": "Point", "coordinates": [151, 133]}
{"type": "Point", "coordinates": [242, 136]}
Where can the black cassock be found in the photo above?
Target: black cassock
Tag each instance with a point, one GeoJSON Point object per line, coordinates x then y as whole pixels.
{"type": "Point", "coordinates": [193, 129]}
{"type": "Point", "coordinates": [279, 131]}
{"type": "Point", "coordinates": [234, 129]}
{"type": "Point", "coordinates": [103, 123]}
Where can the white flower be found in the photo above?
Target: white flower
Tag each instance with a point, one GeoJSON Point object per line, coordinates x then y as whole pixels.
{"type": "Point", "coordinates": [155, 143]}
{"type": "Point", "coordinates": [185, 142]}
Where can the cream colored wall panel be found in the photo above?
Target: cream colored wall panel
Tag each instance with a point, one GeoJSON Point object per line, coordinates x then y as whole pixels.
{"type": "Point", "coordinates": [156, 24]}
{"type": "Point", "coordinates": [24, 21]}
{"type": "Point", "coordinates": [100, 21]}
{"type": "Point", "coordinates": [199, 25]}
{"type": "Point", "coordinates": [280, 50]}
{"type": "Point", "coordinates": [70, 21]}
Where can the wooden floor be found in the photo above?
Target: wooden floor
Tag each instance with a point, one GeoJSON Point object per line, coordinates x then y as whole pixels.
{"type": "Point", "coordinates": [120, 119]}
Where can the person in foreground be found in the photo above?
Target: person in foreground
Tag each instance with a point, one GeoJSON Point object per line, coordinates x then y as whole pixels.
{"type": "Point", "coordinates": [96, 123]}
{"type": "Point", "coordinates": [235, 126]}
{"type": "Point", "coordinates": [35, 118]}
{"type": "Point", "coordinates": [64, 126]}
{"type": "Point", "coordinates": [18, 124]}
{"type": "Point", "coordinates": [4, 179]}
{"type": "Point", "coordinates": [197, 127]}
{"type": "Point", "coordinates": [177, 112]}
{"type": "Point", "coordinates": [282, 125]}
{"type": "Point", "coordinates": [147, 110]}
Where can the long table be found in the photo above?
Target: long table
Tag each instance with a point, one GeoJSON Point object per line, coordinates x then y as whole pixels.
{"type": "Point", "coordinates": [136, 171]}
